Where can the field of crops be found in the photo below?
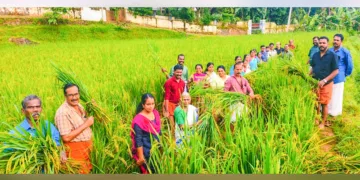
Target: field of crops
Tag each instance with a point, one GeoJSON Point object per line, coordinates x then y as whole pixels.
{"type": "Point", "coordinates": [277, 137]}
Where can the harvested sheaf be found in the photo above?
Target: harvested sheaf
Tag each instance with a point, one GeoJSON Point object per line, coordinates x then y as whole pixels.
{"type": "Point", "coordinates": [92, 108]}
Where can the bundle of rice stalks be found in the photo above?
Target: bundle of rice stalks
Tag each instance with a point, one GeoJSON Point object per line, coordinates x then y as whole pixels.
{"type": "Point", "coordinates": [292, 67]}
{"type": "Point", "coordinates": [218, 103]}
{"type": "Point", "coordinates": [22, 153]}
{"type": "Point", "coordinates": [92, 108]}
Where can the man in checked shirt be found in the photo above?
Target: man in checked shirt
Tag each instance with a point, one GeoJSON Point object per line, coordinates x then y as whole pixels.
{"type": "Point", "coordinates": [74, 128]}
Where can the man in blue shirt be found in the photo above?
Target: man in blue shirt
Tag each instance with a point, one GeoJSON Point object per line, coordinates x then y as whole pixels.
{"type": "Point", "coordinates": [264, 54]}
{"type": "Point", "coordinates": [31, 108]}
{"type": "Point", "coordinates": [345, 69]}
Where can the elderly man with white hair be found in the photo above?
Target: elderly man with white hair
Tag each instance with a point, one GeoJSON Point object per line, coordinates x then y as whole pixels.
{"type": "Point", "coordinates": [186, 117]}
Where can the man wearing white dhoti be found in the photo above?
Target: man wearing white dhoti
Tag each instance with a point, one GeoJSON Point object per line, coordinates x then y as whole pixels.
{"type": "Point", "coordinates": [345, 69]}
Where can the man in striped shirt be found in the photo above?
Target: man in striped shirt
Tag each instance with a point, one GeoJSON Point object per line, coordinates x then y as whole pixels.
{"type": "Point", "coordinates": [74, 128]}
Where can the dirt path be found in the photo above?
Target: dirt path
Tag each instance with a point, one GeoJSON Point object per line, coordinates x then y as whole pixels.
{"type": "Point", "coordinates": [328, 133]}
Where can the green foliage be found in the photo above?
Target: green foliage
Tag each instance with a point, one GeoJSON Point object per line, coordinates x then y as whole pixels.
{"type": "Point", "coordinates": [277, 136]}
{"type": "Point", "coordinates": [54, 16]}
{"type": "Point", "coordinates": [278, 15]}
{"type": "Point", "coordinates": [141, 11]}
{"type": "Point", "coordinates": [187, 15]}
{"type": "Point", "coordinates": [206, 17]}
{"type": "Point", "coordinates": [216, 17]}
{"type": "Point", "coordinates": [116, 12]}
{"type": "Point", "coordinates": [339, 19]}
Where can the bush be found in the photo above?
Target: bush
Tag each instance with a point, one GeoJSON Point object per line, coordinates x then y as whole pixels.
{"type": "Point", "coordinates": [54, 17]}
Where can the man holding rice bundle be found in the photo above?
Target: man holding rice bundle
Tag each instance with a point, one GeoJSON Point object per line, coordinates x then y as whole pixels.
{"type": "Point", "coordinates": [237, 83]}
{"type": "Point", "coordinates": [345, 69]}
{"type": "Point", "coordinates": [31, 108]}
{"type": "Point", "coordinates": [324, 68]}
{"type": "Point", "coordinates": [74, 128]}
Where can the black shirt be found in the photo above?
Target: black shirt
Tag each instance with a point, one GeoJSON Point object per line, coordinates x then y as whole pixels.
{"type": "Point", "coordinates": [324, 66]}
{"type": "Point", "coordinates": [279, 50]}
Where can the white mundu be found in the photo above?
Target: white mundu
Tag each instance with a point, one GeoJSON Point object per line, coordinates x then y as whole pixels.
{"type": "Point", "coordinates": [335, 105]}
{"type": "Point", "coordinates": [236, 111]}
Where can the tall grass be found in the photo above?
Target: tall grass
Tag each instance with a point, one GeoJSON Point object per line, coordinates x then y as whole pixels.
{"type": "Point", "coordinates": [277, 135]}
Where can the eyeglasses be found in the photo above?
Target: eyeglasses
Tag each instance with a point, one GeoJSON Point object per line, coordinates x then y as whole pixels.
{"type": "Point", "coordinates": [73, 95]}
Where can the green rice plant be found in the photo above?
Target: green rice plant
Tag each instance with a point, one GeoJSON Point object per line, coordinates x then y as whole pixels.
{"type": "Point", "coordinates": [92, 108]}
{"type": "Point", "coordinates": [276, 136]}
{"type": "Point", "coordinates": [22, 153]}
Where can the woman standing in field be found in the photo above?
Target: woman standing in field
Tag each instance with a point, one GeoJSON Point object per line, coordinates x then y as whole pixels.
{"type": "Point", "coordinates": [246, 65]}
{"type": "Point", "coordinates": [221, 78]}
{"type": "Point", "coordinates": [210, 75]}
{"type": "Point", "coordinates": [237, 59]}
{"type": "Point", "coordinates": [198, 75]}
{"type": "Point", "coordinates": [253, 54]}
{"type": "Point", "coordinates": [258, 56]}
{"type": "Point", "coordinates": [145, 129]}
{"type": "Point", "coordinates": [253, 62]}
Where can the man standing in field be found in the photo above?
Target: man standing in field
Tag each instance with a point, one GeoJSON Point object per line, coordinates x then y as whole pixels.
{"type": "Point", "coordinates": [237, 83]}
{"type": "Point", "coordinates": [264, 54]}
{"type": "Point", "coordinates": [345, 69]}
{"type": "Point", "coordinates": [74, 128]}
{"type": "Point", "coordinates": [31, 108]}
{"type": "Point", "coordinates": [287, 54]}
{"type": "Point", "coordinates": [272, 51]}
{"type": "Point", "coordinates": [324, 68]}
{"type": "Point", "coordinates": [174, 87]}
{"type": "Point", "coordinates": [185, 73]}
{"type": "Point", "coordinates": [278, 48]}
{"type": "Point", "coordinates": [314, 49]}
{"type": "Point", "coordinates": [291, 44]}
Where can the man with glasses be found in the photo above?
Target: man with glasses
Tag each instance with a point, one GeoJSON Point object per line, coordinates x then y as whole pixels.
{"type": "Point", "coordinates": [74, 128]}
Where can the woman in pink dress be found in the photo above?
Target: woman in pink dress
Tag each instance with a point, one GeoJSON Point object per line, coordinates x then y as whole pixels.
{"type": "Point", "coordinates": [199, 75]}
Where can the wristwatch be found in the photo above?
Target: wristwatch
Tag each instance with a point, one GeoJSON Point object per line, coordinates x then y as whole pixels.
{"type": "Point", "coordinates": [325, 81]}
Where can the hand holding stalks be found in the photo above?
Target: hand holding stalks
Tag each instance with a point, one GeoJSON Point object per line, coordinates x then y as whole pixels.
{"type": "Point", "coordinates": [140, 161]}
{"type": "Point", "coordinates": [89, 121]}
{"type": "Point", "coordinates": [63, 157]}
{"type": "Point", "coordinates": [321, 84]}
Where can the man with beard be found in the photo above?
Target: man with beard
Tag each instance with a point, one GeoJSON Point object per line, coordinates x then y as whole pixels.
{"type": "Point", "coordinates": [345, 69]}
{"type": "Point", "coordinates": [74, 128]}
{"type": "Point", "coordinates": [174, 87]}
{"type": "Point", "coordinates": [314, 49]}
{"type": "Point", "coordinates": [185, 72]}
{"type": "Point", "coordinates": [31, 108]}
{"type": "Point", "coordinates": [324, 68]}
